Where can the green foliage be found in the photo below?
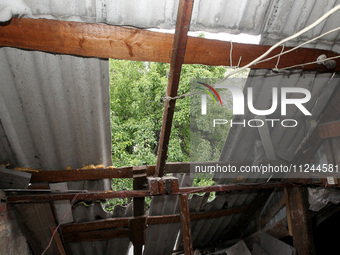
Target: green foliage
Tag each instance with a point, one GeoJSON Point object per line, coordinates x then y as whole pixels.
{"type": "Point", "coordinates": [136, 92]}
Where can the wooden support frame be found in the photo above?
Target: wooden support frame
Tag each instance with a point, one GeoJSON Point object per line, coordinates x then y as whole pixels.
{"type": "Point", "coordinates": [125, 222]}
{"type": "Point", "coordinates": [106, 41]}
{"type": "Point", "coordinates": [185, 224]}
{"type": "Point", "coordinates": [300, 222]}
{"type": "Point", "coordinates": [137, 225]}
{"type": "Point", "coordinates": [177, 59]}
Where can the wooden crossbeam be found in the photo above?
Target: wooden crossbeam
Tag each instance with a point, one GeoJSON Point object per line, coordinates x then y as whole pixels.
{"type": "Point", "coordinates": [81, 174]}
{"type": "Point", "coordinates": [40, 198]}
{"type": "Point", "coordinates": [106, 41]}
{"type": "Point", "coordinates": [124, 223]}
{"type": "Point", "coordinates": [129, 172]}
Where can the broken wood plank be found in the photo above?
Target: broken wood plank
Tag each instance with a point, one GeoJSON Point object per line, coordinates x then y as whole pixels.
{"type": "Point", "coordinates": [177, 59]}
{"type": "Point", "coordinates": [13, 179]}
{"type": "Point", "coordinates": [185, 223]}
{"type": "Point", "coordinates": [300, 222]}
{"type": "Point", "coordinates": [106, 41]}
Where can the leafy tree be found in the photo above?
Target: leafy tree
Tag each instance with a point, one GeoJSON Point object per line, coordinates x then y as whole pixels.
{"type": "Point", "coordinates": [136, 91]}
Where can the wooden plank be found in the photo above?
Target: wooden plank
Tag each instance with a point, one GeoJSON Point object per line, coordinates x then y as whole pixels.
{"type": "Point", "coordinates": [13, 179]}
{"type": "Point", "coordinates": [138, 224]}
{"type": "Point", "coordinates": [81, 174]}
{"type": "Point", "coordinates": [124, 222]}
{"type": "Point", "coordinates": [39, 198]}
{"type": "Point", "coordinates": [185, 224]}
{"type": "Point", "coordinates": [289, 218]}
{"type": "Point", "coordinates": [330, 129]}
{"type": "Point", "coordinates": [76, 232]}
{"type": "Point", "coordinates": [58, 241]}
{"type": "Point", "coordinates": [300, 222]}
{"type": "Point", "coordinates": [177, 59]}
{"type": "Point", "coordinates": [106, 41]}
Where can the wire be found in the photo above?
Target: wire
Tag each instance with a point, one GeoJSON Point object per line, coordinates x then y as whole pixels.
{"type": "Point", "coordinates": [56, 229]}
{"type": "Point", "coordinates": [299, 46]}
{"type": "Point", "coordinates": [315, 23]}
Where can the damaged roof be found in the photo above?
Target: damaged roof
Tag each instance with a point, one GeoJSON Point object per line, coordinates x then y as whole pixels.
{"type": "Point", "coordinates": [54, 109]}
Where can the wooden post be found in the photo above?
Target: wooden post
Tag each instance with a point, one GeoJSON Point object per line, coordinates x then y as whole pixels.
{"type": "Point", "coordinates": [137, 225]}
{"type": "Point", "coordinates": [300, 225]}
{"type": "Point", "coordinates": [58, 241]}
{"type": "Point", "coordinates": [289, 219]}
{"type": "Point", "coordinates": [177, 57]}
{"type": "Point", "coordinates": [186, 226]}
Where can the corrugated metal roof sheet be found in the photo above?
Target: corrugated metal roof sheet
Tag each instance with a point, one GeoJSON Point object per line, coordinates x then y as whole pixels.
{"type": "Point", "coordinates": [54, 110]}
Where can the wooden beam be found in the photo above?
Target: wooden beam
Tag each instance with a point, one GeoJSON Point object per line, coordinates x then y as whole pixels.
{"type": "Point", "coordinates": [58, 241]}
{"type": "Point", "coordinates": [185, 223]}
{"type": "Point", "coordinates": [40, 198]}
{"type": "Point", "coordinates": [300, 223]}
{"type": "Point", "coordinates": [177, 59]}
{"type": "Point", "coordinates": [106, 41]}
{"type": "Point", "coordinates": [330, 129]}
{"type": "Point", "coordinates": [81, 174]}
{"type": "Point", "coordinates": [128, 172]}
{"type": "Point", "coordinates": [124, 222]}
{"type": "Point", "coordinates": [138, 224]}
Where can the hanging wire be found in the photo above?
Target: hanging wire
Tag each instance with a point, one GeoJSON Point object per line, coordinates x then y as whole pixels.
{"type": "Point", "coordinates": [299, 46]}
{"type": "Point", "coordinates": [56, 229]}
{"type": "Point", "coordinates": [255, 61]}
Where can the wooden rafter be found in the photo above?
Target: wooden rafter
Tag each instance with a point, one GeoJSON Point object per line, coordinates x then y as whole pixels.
{"type": "Point", "coordinates": [106, 41]}
{"type": "Point", "coordinates": [177, 59]}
